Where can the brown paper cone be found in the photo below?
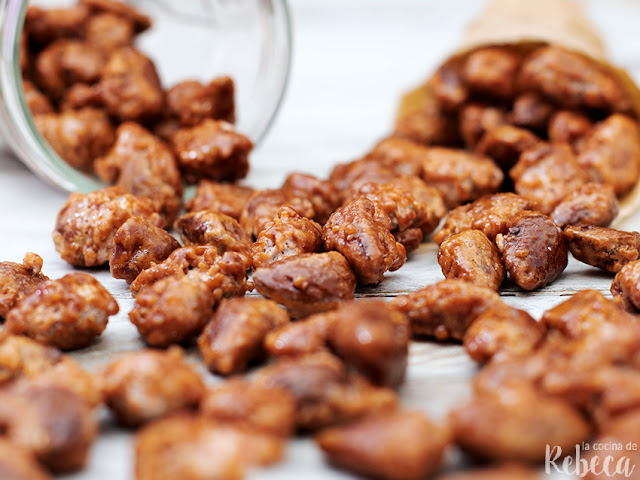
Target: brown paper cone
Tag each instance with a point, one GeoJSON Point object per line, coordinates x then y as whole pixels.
{"type": "Point", "coordinates": [512, 22]}
{"type": "Point", "coordinates": [527, 25]}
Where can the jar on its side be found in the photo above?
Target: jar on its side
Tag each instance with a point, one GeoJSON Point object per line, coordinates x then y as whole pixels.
{"type": "Point", "coordinates": [249, 40]}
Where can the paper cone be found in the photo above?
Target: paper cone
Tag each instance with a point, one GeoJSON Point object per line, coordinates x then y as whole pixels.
{"type": "Point", "coordinates": [555, 22]}
{"type": "Point", "coordinates": [527, 25]}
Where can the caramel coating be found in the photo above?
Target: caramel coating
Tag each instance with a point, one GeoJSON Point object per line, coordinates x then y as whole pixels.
{"type": "Point", "coordinates": [220, 198]}
{"type": "Point", "coordinates": [263, 206]}
{"type": "Point", "coordinates": [471, 256]}
{"type": "Point", "coordinates": [310, 335]}
{"type": "Point", "coordinates": [619, 393]}
{"type": "Point", "coordinates": [225, 275]}
{"type": "Point", "coordinates": [591, 326]}
{"type": "Point", "coordinates": [626, 286]}
{"type": "Point", "coordinates": [209, 228]}
{"type": "Point", "coordinates": [491, 427]}
{"type": "Point", "coordinates": [604, 248]}
{"type": "Point", "coordinates": [460, 176]}
{"type": "Point", "coordinates": [448, 86]}
{"type": "Point", "coordinates": [66, 373]}
{"type": "Point", "coordinates": [129, 86]}
{"type": "Point", "coordinates": [585, 359]}
{"type": "Point", "coordinates": [427, 195]}
{"type": "Point", "coordinates": [212, 150]}
{"type": "Point", "coordinates": [52, 423]}
{"type": "Point", "coordinates": [166, 128]}
{"type": "Point", "coordinates": [17, 281]}
{"type": "Point", "coordinates": [79, 137]}
{"type": "Point", "coordinates": [446, 309]}
{"type": "Point", "coordinates": [368, 336]}
{"type": "Point", "coordinates": [322, 194]}
{"type": "Point", "coordinates": [408, 202]}
{"type": "Point", "coordinates": [492, 71]}
{"type": "Point", "coordinates": [178, 264]}
{"type": "Point", "coordinates": [373, 338]}
{"type": "Point", "coordinates": [16, 463]}
{"type": "Point", "coordinates": [489, 214]}
{"type": "Point", "coordinates": [349, 177]}
{"type": "Point", "coordinates": [422, 119]}
{"type": "Point", "coordinates": [307, 283]}
{"type": "Point", "coordinates": [390, 158]}
{"type": "Point", "coordinates": [624, 426]}
{"type": "Point", "coordinates": [137, 245]}
{"type": "Point", "coordinates": [243, 403]}
{"type": "Point", "coordinates": [191, 447]}
{"type": "Point", "coordinates": [172, 310]}
{"type": "Point", "coordinates": [191, 102]}
{"type": "Point", "coordinates": [477, 119]}
{"type": "Point", "coordinates": [79, 96]}
{"type": "Point", "coordinates": [531, 110]}
{"type": "Point", "coordinates": [410, 239]}
{"type": "Point", "coordinates": [175, 298]}
{"type": "Point", "coordinates": [22, 358]}
{"type": "Point", "coordinates": [140, 21]}
{"type": "Point", "coordinates": [324, 392]}
{"type": "Point", "coordinates": [505, 144]}
{"type": "Point", "coordinates": [233, 337]}
{"type": "Point", "coordinates": [68, 313]}
{"type": "Point", "coordinates": [533, 251]}
{"type": "Point", "coordinates": [568, 126]}
{"type": "Point", "coordinates": [45, 25]}
{"type": "Point", "coordinates": [65, 62]}
{"type": "Point", "coordinates": [37, 102]}
{"type": "Point", "coordinates": [143, 386]}
{"type": "Point", "coordinates": [610, 153]}
{"type": "Point", "coordinates": [289, 234]}
{"type": "Point", "coordinates": [572, 80]}
{"type": "Point", "coordinates": [361, 232]}
{"type": "Point", "coordinates": [591, 204]}
{"type": "Point", "coordinates": [403, 445]}
{"type": "Point", "coordinates": [502, 334]}
{"type": "Point", "coordinates": [547, 173]}
{"type": "Point", "coordinates": [108, 31]}
{"type": "Point", "coordinates": [87, 223]}
{"type": "Point", "coordinates": [144, 166]}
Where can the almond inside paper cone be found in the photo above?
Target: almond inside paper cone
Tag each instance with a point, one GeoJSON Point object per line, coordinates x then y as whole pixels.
{"type": "Point", "coordinates": [549, 22]}
{"type": "Point", "coordinates": [542, 22]}
{"type": "Point", "coordinates": [528, 25]}
{"type": "Point", "coordinates": [555, 22]}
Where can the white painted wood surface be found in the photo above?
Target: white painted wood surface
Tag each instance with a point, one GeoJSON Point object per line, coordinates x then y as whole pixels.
{"type": "Point", "coordinates": [352, 60]}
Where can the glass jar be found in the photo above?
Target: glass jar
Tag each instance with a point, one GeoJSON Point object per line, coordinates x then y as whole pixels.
{"type": "Point", "coordinates": [249, 40]}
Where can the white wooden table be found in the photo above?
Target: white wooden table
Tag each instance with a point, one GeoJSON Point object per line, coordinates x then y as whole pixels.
{"type": "Point", "coordinates": [352, 60]}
